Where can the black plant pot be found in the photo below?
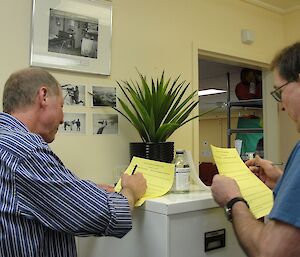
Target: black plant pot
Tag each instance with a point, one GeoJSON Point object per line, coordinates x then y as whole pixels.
{"type": "Point", "coordinates": [163, 152]}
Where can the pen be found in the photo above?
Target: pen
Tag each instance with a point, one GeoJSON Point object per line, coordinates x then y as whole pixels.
{"type": "Point", "coordinates": [131, 174]}
{"type": "Point", "coordinates": [273, 164]}
{"type": "Point", "coordinates": [277, 163]}
{"type": "Point", "coordinates": [134, 169]}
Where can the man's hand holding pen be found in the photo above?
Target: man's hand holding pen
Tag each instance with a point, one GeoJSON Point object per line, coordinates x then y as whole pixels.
{"type": "Point", "coordinates": [133, 186]}
{"type": "Point", "coordinates": [110, 188]}
{"type": "Point", "coordinates": [267, 171]}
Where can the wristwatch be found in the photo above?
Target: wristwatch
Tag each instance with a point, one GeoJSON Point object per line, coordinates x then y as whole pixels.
{"type": "Point", "coordinates": [229, 205]}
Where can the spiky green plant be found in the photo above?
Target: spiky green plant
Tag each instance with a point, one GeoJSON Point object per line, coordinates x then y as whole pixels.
{"type": "Point", "coordinates": [157, 110]}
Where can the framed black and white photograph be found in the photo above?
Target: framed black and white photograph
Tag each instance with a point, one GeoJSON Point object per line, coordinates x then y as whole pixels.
{"type": "Point", "coordinates": [104, 96]}
{"type": "Point", "coordinates": [74, 123]}
{"type": "Point", "coordinates": [105, 124]}
{"type": "Point", "coordinates": [72, 35]}
{"type": "Point", "coordinates": [73, 94]}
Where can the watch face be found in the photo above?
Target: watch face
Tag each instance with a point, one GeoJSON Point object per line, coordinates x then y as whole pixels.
{"type": "Point", "coordinates": [228, 213]}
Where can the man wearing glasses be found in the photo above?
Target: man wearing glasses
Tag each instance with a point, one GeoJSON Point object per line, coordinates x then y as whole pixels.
{"type": "Point", "coordinates": [280, 236]}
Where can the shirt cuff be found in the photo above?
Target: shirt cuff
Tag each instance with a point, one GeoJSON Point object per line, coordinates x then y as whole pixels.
{"type": "Point", "coordinates": [121, 222]}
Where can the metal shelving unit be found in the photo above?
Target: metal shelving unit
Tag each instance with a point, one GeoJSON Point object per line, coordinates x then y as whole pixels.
{"type": "Point", "coordinates": [255, 103]}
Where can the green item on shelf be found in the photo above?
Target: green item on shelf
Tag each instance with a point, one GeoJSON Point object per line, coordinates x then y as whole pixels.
{"type": "Point", "coordinates": [249, 140]}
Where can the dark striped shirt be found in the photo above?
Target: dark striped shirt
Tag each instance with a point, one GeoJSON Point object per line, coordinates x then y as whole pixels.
{"type": "Point", "coordinates": [43, 205]}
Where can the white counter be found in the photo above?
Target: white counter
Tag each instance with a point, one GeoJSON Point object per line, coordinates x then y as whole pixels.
{"type": "Point", "coordinates": [174, 203]}
{"type": "Point", "coordinates": [175, 225]}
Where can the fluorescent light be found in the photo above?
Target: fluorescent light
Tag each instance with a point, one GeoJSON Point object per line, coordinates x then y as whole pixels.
{"type": "Point", "coordinates": [210, 91]}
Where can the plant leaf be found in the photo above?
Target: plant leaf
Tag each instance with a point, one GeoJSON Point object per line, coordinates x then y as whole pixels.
{"type": "Point", "coordinates": [158, 108]}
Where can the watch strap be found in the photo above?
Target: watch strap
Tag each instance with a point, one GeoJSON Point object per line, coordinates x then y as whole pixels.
{"type": "Point", "coordinates": [235, 200]}
{"type": "Point", "coordinates": [229, 205]}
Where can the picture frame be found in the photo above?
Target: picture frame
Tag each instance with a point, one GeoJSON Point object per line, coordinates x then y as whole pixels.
{"type": "Point", "coordinates": [104, 96]}
{"type": "Point", "coordinates": [72, 35]}
{"type": "Point", "coordinates": [73, 94]}
{"type": "Point", "coordinates": [105, 124]}
{"type": "Point", "coordinates": [74, 123]}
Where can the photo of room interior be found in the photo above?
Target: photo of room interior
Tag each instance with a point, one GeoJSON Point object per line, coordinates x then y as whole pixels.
{"type": "Point", "coordinates": [72, 34]}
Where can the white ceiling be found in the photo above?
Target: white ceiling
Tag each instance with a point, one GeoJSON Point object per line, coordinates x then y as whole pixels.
{"type": "Point", "coordinates": [214, 75]}
{"type": "Point", "coordinates": [279, 6]}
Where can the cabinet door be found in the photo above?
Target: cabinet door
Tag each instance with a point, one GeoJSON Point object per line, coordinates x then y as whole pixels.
{"type": "Point", "coordinates": [148, 238]}
{"type": "Point", "coordinates": [187, 234]}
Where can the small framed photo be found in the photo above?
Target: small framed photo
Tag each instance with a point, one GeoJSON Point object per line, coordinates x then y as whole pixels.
{"type": "Point", "coordinates": [105, 124]}
{"type": "Point", "coordinates": [72, 35]}
{"type": "Point", "coordinates": [104, 96]}
{"type": "Point", "coordinates": [74, 123]}
{"type": "Point", "coordinates": [73, 94]}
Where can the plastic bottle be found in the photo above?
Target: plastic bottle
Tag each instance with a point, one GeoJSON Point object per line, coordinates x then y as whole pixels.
{"type": "Point", "coordinates": [181, 182]}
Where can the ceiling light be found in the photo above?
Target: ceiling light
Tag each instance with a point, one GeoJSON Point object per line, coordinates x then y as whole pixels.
{"type": "Point", "coordinates": [210, 91]}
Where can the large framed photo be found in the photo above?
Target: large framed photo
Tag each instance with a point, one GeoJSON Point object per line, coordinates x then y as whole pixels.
{"type": "Point", "coordinates": [72, 35]}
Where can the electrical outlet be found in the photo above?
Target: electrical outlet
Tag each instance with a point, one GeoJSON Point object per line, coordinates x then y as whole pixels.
{"type": "Point", "coordinates": [206, 153]}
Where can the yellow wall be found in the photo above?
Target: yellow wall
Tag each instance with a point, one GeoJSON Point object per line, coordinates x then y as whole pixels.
{"type": "Point", "coordinates": [291, 27]}
{"type": "Point", "coordinates": [151, 35]}
{"type": "Point", "coordinates": [213, 131]}
{"type": "Point", "coordinates": [288, 134]}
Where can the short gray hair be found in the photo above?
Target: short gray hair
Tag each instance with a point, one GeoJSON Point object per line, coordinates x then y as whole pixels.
{"type": "Point", "coordinates": [287, 62]}
{"type": "Point", "coordinates": [22, 86]}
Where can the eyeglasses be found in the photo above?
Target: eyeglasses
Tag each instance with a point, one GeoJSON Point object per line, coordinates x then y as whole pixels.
{"type": "Point", "coordinates": [278, 91]}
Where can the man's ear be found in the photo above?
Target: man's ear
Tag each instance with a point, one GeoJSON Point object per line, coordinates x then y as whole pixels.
{"type": "Point", "coordinates": [43, 94]}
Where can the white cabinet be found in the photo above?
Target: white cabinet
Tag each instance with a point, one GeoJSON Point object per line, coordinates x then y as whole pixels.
{"type": "Point", "coordinates": [170, 226]}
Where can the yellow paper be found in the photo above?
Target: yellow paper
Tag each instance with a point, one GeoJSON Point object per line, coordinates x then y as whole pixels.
{"type": "Point", "coordinates": [256, 193]}
{"type": "Point", "coordinates": [159, 177]}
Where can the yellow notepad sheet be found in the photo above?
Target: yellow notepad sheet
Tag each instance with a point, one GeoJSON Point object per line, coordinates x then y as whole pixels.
{"type": "Point", "coordinates": [256, 193]}
{"type": "Point", "coordinates": [159, 177]}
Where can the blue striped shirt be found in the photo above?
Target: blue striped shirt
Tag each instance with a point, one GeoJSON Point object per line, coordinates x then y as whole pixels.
{"type": "Point", "coordinates": [43, 206]}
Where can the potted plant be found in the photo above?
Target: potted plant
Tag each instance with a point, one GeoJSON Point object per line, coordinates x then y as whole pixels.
{"type": "Point", "coordinates": [156, 110]}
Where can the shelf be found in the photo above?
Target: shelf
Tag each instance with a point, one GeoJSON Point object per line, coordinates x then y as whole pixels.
{"type": "Point", "coordinates": [251, 103]}
{"type": "Point", "coordinates": [245, 130]}
{"type": "Point", "coordinates": [247, 103]}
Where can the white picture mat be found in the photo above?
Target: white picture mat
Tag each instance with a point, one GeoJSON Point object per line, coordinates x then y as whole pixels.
{"type": "Point", "coordinates": [101, 10]}
{"type": "Point", "coordinates": [104, 96]}
{"type": "Point", "coordinates": [105, 124]}
{"type": "Point", "coordinates": [70, 123]}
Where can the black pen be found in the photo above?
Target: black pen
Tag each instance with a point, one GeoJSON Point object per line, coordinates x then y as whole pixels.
{"type": "Point", "coordinates": [131, 174]}
{"type": "Point", "coordinates": [134, 169]}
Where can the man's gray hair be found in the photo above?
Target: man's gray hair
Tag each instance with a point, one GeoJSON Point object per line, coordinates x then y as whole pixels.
{"type": "Point", "coordinates": [21, 88]}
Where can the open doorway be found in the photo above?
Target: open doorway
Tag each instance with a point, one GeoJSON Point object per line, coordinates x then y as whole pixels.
{"type": "Point", "coordinates": [225, 127]}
